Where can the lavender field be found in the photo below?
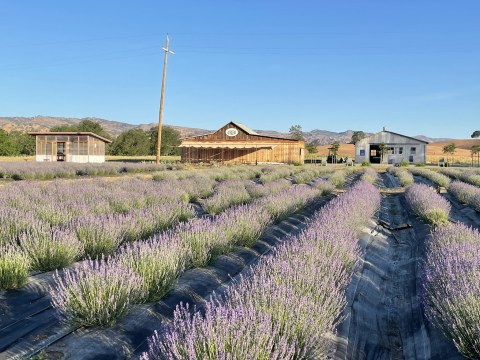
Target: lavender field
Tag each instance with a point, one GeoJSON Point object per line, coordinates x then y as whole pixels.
{"type": "Point", "coordinates": [241, 262]}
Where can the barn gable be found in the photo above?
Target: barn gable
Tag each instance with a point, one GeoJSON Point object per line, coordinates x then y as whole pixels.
{"type": "Point", "coordinates": [389, 137]}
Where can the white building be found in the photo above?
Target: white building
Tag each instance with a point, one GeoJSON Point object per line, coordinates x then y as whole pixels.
{"type": "Point", "coordinates": [398, 148]}
{"type": "Point", "coordinates": [77, 147]}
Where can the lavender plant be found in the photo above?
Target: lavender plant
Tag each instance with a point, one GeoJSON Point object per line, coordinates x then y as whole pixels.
{"type": "Point", "coordinates": [404, 176]}
{"type": "Point", "coordinates": [95, 292]}
{"type": "Point", "coordinates": [50, 249]}
{"type": "Point", "coordinates": [338, 178]}
{"type": "Point", "coordinates": [427, 204]}
{"type": "Point", "coordinates": [452, 284]}
{"type": "Point", "coordinates": [465, 193]}
{"type": "Point", "coordinates": [158, 262]}
{"type": "Point", "coordinates": [14, 265]}
{"type": "Point", "coordinates": [324, 186]}
{"type": "Point", "coordinates": [435, 177]}
{"type": "Point", "coordinates": [99, 235]}
{"type": "Point", "coordinates": [369, 175]}
{"type": "Point", "coordinates": [227, 193]}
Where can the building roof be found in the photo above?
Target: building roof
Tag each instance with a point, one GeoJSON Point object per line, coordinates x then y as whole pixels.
{"type": "Point", "coordinates": [67, 133]}
{"type": "Point", "coordinates": [393, 133]}
{"type": "Point", "coordinates": [244, 128]}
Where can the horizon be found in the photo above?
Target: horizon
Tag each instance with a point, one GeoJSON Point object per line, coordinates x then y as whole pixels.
{"type": "Point", "coordinates": [411, 66]}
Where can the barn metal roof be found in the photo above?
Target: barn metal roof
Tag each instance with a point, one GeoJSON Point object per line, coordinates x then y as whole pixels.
{"type": "Point", "coordinates": [394, 133]}
{"type": "Point", "coordinates": [70, 133]}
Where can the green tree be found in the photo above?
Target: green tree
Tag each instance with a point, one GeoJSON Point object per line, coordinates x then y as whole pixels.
{"type": "Point", "coordinates": [334, 147]}
{"type": "Point", "coordinates": [7, 147]}
{"type": "Point", "coordinates": [476, 134]}
{"type": "Point", "coordinates": [475, 151]}
{"type": "Point", "coordinates": [311, 148]}
{"type": "Point", "coordinates": [23, 143]}
{"type": "Point", "coordinates": [134, 142]}
{"type": "Point", "coordinates": [296, 132]}
{"type": "Point", "coordinates": [170, 141]}
{"type": "Point", "coordinates": [382, 147]}
{"type": "Point", "coordinates": [64, 128]}
{"type": "Point", "coordinates": [85, 125]}
{"type": "Point", "coordinates": [357, 136]}
{"type": "Point", "coordinates": [450, 150]}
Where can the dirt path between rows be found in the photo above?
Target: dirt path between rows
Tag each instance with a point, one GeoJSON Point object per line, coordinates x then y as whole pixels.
{"type": "Point", "coordinates": [384, 318]}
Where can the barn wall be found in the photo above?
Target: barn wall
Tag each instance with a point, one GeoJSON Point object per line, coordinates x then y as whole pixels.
{"type": "Point", "coordinates": [283, 151]}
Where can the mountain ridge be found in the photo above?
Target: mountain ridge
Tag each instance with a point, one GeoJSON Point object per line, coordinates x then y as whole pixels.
{"type": "Point", "coordinates": [44, 123]}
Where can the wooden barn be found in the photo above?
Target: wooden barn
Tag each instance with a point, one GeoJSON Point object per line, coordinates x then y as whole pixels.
{"type": "Point", "coordinates": [236, 143]}
{"type": "Point", "coordinates": [78, 147]}
{"type": "Point", "coordinates": [398, 148]}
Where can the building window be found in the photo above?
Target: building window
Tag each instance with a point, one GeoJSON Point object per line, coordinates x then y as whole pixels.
{"type": "Point", "coordinates": [413, 150]}
{"type": "Point", "coordinates": [410, 159]}
{"type": "Point", "coordinates": [390, 150]}
{"type": "Point", "coordinates": [400, 150]}
{"type": "Point", "coordinates": [362, 152]}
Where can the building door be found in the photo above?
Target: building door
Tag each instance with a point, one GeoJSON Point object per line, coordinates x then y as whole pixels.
{"type": "Point", "coordinates": [375, 157]}
{"type": "Point", "coordinates": [61, 151]}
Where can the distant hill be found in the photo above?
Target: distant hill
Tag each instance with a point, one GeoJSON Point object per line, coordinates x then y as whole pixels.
{"type": "Point", "coordinates": [44, 123]}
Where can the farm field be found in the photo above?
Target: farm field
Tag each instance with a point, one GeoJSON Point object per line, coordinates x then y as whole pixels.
{"type": "Point", "coordinates": [274, 262]}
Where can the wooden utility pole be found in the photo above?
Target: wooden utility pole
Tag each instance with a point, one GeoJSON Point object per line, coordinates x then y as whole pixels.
{"type": "Point", "coordinates": [160, 112]}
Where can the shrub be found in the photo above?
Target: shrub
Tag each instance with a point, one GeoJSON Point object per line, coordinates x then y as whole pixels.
{"type": "Point", "coordinates": [324, 186]}
{"type": "Point", "coordinates": [452, 284]}
{"type": "Point", "coordinates": [99, 235]}
{"type": "Point", "coordinates": [227, 193]}
{"type": "Point", "coordinates": [404, 176]}
{"type": "Point", "coordinates": [427, 204]}
{"type": "Point", "coordinates": [404, 163]}
{"type": "Point", "coordinates": [50, 249]}
{"type": "Point", "coordinates": [438, 179]}
{"type": "Point", "coordinates": [370, 175]}
{"type": "Point", "coordinates": [95, 292]}
{"type": "Point", "coordinates": [14, 266]}
{"type": "Point", "coordinates": [158, 262]}
{"type": "Point", "coordinates": [338, 178]}
{"type": "Point", "coordinates": [366, 163]}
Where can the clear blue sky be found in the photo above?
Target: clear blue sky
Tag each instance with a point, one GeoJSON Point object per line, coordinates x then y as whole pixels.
{"type": "Point", "coordinates": [410, 65]}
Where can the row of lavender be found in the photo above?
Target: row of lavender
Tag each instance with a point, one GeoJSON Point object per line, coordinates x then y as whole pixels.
{"type": "Point", "coordinates": [464, 192]}
{"type": "Point", "coordinates": [56, 230]}
{"type": "Point", "coordinates": [99, 292]}
{"type": "Point", "coordinates": [292, 301]}
{"type": "Point", "coordinates": [471, 176]}
{"type": "Point", "coordinates": [451, 282]}
{"type": "Point", "coordinates": [52, 170]}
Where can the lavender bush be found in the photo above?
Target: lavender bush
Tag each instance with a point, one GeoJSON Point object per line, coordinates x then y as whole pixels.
{"type": "Point", "coordinates": [427, 204]}
{"type": "Point", "coordinates": [338, 178]}
{"type": "Point", "coordinates": [288, 201]}
{"type": "Point", "coordinates": [95, 292]}
{"type": "Point", "coordinates": [14, 265]}
{"type": "Point", "coordinates": [50, 249]}
{"type": "Point", "coordinates": [435, 177]}
{"type": "Point", "coordinates": [370, 175]}
{"type": "Point", "coordinates": [158, 262]}
{"type": "Point", "coordinates": [452, 284]}
{"type": "Point", "coordinates": [465, 193]}
{"type": "Point", "coordinates": [324, 186]}
{"type": "Point", "coordinates": [99, 235]}
{"type": "Point", "coordinates": [404, 176]}
{"type": "Point", "coordinates": [227, 193]}
{"type": "Point", "coordinates": [272, 187]}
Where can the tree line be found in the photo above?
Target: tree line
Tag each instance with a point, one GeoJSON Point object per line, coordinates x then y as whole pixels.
{"type": "Point", "coordinates": [134, 142]}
